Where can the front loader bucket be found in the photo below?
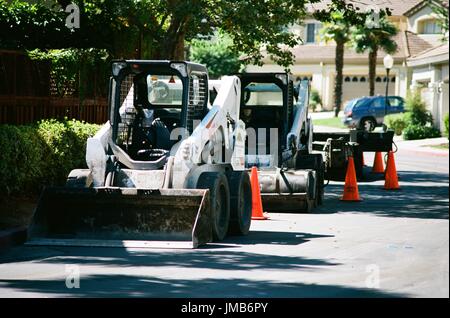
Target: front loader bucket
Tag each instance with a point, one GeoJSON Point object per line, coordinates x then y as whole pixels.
{"type": "Point", "coordinates": [122, 217]}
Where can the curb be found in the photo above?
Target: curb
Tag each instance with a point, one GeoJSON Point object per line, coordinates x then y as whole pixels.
{"type": "Point", "coordinates": [426, 152]}
{"type": "Point", "coordinates": [12, 237]}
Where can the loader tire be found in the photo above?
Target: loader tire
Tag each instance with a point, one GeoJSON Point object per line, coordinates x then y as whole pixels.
{"type": "Point", "coordinates": [240, 202]}
{"type": "Point", "coordinates": [314, 162]}
{"type": "Point", "coordinates": [219, 194]}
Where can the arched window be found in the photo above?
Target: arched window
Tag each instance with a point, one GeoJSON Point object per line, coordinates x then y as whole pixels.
{"type": "Point", "coordinates": [347, 79]}
{"type": "Point", "coordinates": [362, 79]}
{"type": "Point", "coordinates": [354, 79]}
{"type": "Point", "coordinates": [393, 79]}
{"type": "Point", "coordinates": [378, 79]}
{"type": "Point", "coordinates": [384, 79]}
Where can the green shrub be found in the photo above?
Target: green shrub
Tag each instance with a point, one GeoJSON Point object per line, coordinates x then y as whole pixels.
{"type": "Point", "coordinates": [396, 122]}
{"type": "Point", "coordinates": [315, 99]}
{"type": "Point", "coordinates": [43, 154]}
{"type": "Point", "coordinates": [413, 132]}
{"type": "Point", "coordinates": [417, 110]}
{"type": "Point", "coordinates": [446, 124]}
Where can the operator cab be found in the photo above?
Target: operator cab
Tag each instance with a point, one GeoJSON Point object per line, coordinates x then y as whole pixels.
{"type": "Point", "coordinates": [267, 111]}
{"type": "Point", "coordinates": [154, 104]}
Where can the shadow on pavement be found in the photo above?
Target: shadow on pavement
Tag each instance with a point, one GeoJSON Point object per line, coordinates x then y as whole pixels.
{"type": "Point", "coordinates": [422, 195]}
{"type": "Point", "coordinates": [225, 259]}
{"type": "Point", "coordinates": [148, 286]}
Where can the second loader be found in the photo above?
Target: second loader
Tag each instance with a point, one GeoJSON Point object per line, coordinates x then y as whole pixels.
{"type": "Point", "coordinates": [279, 141]}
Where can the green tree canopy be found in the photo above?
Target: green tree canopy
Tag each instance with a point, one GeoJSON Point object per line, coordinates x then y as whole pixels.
{"type": "Point", "coordinates": [217, 55]}
{"type": "Point", "coordinates": [155, 28]}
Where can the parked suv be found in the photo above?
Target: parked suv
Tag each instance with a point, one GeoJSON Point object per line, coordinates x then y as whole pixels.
{"type": "Point", "coordinates": [368, 112]}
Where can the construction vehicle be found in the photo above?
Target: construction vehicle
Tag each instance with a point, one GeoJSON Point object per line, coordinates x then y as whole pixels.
{"type": "Point", "coordinates": [279, 141]}
{"type": "Point", "coordinates": [338, 147]}
{"type": "Point", "coordinates": [166, 170]}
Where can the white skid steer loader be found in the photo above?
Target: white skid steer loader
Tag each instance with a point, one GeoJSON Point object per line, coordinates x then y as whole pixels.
{"type": "Point", "coordinates": [166, 170]}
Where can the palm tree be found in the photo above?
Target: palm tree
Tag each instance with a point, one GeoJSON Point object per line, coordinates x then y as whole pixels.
{"type": "Point", "coordinates": [337, 30]}
{"type": "Point", "coordinates": [366, 38]}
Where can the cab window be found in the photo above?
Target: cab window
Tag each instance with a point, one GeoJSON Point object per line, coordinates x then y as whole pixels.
{"type": "Point", "coordinates": [165, 90]}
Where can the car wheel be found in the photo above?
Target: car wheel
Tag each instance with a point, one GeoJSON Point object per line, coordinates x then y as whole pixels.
{"type": "Point", "coordinates": [368, 124]}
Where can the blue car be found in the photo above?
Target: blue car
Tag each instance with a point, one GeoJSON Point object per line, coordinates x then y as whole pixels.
{"type": "Point", "coordinates": [368, 112]}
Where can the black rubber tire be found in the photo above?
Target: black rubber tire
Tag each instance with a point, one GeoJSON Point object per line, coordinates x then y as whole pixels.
{"type": "Point", "coordinates": [370, 121]}
{"type": "Point", "coordinates": [240, 202]}
{"type": "Point", "coordinates": [219, 193]}
{"type": "Point", "coordinates": [314, 162]}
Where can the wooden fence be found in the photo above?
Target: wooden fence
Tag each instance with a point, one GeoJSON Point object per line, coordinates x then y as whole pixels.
{"type": "Point", "coordinates": [19, 110]}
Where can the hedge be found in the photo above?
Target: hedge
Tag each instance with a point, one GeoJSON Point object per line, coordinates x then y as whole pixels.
{"type": "Point", "coordinates": [414, 132]}
{"type": "Point", "coordinates": [397, 122]}
{"type": "Point", "coordinates": [34, 156]}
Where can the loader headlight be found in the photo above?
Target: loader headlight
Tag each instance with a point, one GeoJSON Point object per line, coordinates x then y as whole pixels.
{"type": "Point", "coordinates": [117, 67]}
{"type": "Point", "coordinates": [180, 67]}
{"type": "Point", "coordinates": [283, 78]}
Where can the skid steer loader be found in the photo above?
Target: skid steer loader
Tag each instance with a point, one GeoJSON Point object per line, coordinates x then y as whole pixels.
{"type": "Point", "coordinates": [279, 141]}
{"type": "Point", "coordinates": [166, 170]}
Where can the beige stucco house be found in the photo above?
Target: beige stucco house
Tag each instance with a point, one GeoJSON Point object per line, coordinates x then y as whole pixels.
{"type": "Point", "coordinates": [419, 32]}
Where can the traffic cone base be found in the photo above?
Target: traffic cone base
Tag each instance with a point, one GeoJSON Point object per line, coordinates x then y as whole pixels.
{"type": "Point", "coordinates": [378, 166]}
{"type": "Point", "coordinates": [257, 209]}
{"type": "Point", "coordinates": [264, 217]}
{"type": "Point", "coordinates": [351, 192]}
{"type": "Point", "coordinates": [391, 177]}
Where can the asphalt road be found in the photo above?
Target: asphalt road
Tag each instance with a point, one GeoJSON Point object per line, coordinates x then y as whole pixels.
{"type": "Point", "coordinates": [392, 244]}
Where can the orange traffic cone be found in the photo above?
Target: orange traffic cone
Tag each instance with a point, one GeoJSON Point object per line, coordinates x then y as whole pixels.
{"type": "Point", "coordinates": [378, 166]}
{"type": "Point", "coordinates": [351, 192]}
{"type": "Point", "coordinates": [257, 209]}
{"type": "Point", "coordinates": [391, 177]}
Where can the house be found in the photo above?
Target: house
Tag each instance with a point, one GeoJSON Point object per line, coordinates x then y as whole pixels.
{"type": "Point", "coordinates": [419, 32]}
{"type": "Point", "coordinates": [429, 71]}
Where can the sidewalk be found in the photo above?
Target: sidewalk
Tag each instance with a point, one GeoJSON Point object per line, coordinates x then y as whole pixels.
{"type": "Point", "coordinates": [424, 146]}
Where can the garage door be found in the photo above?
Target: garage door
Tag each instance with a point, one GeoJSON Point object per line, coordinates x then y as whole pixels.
{"type": "Point", "coordinates": [355, 86]}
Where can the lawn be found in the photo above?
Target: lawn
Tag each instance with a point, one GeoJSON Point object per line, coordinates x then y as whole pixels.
{"type": "Point", "coordinates": [335, 122]}
{"type": "Point", "coordinates": [441, 146]}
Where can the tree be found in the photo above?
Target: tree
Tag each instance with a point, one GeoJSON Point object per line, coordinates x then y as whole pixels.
{"type": "Point", "coordinates": [338, 18]}
{"type": "Point", "coordinates": [366, 38]}
{"type": "Point", "coordinates": [217, 55]}
{"type": "Point", "coordinates": [337, 30]}
{"type": "Point", "coordinates": [158, 28]}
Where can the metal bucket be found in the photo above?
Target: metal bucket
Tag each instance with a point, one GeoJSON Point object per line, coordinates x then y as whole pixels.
{"type": "Point", "coordinates": [122, 217]}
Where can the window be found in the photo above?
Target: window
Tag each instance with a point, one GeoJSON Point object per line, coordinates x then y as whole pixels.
{"type": "Point", "coordinates": [378, 103]}
{"type": "Point", "coordinates": [429, 27]}
{"type": "Point", "coordinates": [260, 94]}
{"type": "Point", "coordinates": [395, 102]}
{"type": "Point", "coordinates": [164, 90]}
{"type": "Point", "coordinates": [311, 33]}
